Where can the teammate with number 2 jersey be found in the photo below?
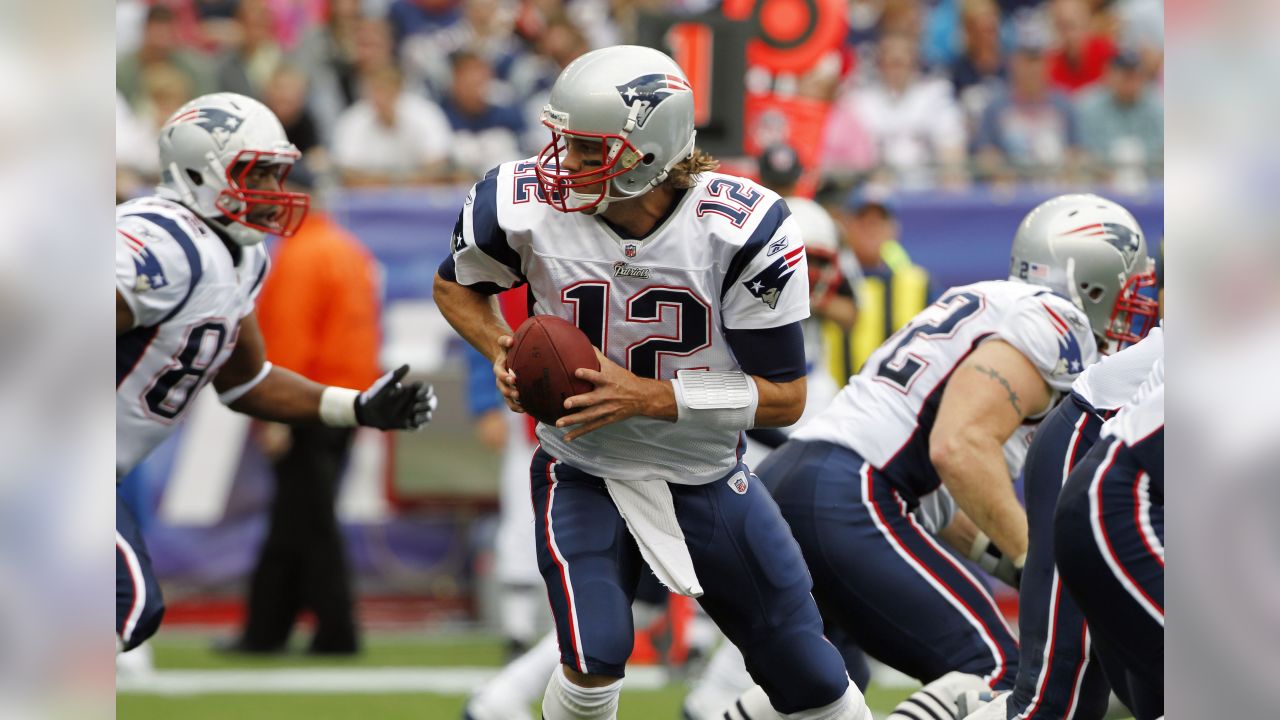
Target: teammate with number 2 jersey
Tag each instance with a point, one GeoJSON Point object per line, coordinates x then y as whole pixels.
{"type": "Point", "coordinates": [951, 399]}
{"type": "Point", "coordinates": [692, 286]}
{"type": "Point", "coordinates": [189, 263]}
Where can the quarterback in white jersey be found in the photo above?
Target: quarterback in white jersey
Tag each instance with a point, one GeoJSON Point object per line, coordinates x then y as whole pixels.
{"type": "Point", "coordinates": [692, 285]}
{"type": "Point", "coordinates": [189, 263]}
{"type": "Point", "coordinates": [951, 400]}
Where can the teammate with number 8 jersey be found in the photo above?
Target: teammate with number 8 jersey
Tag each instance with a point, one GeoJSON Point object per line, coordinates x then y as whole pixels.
{"type": "Point", "coordinates": [951, 400]}
{"type": "Point", "coordinates": [692, 285]}
{"type": "Point", "coordinates": [189, 264]}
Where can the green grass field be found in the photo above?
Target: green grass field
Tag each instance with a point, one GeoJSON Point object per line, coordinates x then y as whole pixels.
{"type": "Point", "coordinates": [188, 652]}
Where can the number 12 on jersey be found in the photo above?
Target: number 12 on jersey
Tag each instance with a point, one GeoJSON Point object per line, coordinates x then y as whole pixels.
{"type": "Point", "coordinates": [590, 302]}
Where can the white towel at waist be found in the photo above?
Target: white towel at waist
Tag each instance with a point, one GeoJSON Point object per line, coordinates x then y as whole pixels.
{"type": "Point", "coordinates": [650, 514]}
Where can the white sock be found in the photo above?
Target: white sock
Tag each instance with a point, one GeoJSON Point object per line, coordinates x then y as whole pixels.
{"type": "Point", "coordinates": [722, 681]}
{"type": "Point", "coordinates": [754, 705]}
{"type": "Point", "coordinates": [508, 695]}
{"type": "Point", "coordinates": [565, 701]}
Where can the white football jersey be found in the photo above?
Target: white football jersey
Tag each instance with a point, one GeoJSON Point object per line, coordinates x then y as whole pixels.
{"type": "Point", "coordinates": [187, 297]}
{"type": "Point", "coordinates": [1143, 413]}
{"type": "Point", "coordinates": [727, 257]}
{"type": "Point", "coordinates": [885, 413]}
{"type": "Point", "coordinates": [1112, 381]}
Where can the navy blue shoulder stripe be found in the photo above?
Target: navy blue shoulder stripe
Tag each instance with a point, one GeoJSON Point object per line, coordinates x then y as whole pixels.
{"type": "Point", "coordinates": [488, 235]}
{"type": "Point", "coordinates": [188, 248]}
{"type": "Point", "coordinates": [765, 230]}
{"type": "Point", "coordinates": [492, 173]}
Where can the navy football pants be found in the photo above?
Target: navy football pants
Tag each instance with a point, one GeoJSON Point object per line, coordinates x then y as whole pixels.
{"type": "Point", "coordinates": [757, 589]}
{"type": "Point", "coordinates": [881, 577]}
{"type": "Point", "coordinates": [1109, 546]}
{"type": "Point", "coordinates": [1059, 678]}
{"type": "Point", "coordinates": [139, 606]}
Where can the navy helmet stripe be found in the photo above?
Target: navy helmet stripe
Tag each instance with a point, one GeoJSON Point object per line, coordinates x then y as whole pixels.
{"type": "Point", "coordinates": [765, 230]}
{"type": "Point", "coordinates": [188, 246]}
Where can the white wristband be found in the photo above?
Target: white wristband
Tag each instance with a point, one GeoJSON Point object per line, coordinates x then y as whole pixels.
{"type": "Point", "coordinates": [338, 406]}
{"type": "Point", "coordinates": [716, 399]}
{"type": "Point", "coordinates": [229, 396]}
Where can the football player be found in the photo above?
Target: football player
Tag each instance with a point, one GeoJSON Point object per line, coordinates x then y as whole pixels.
{"type": "Point", "coordinates": [189, 263]}
{"type": "Point", "coordinates": [692, 285]}
{"type": "Point", "coordinates": [951, 400]}
{"type": "Point", "coordinates": [1108, 542]}
{"type": "Point", "coordinates": [1058, 676]}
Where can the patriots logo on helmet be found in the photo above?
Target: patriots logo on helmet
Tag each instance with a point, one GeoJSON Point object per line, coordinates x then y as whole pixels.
{"type": "Point", "coordinates": [1070, 359]}
{"type": "Point", "coordinates": [219, 123]}
{"type": "Point", "coordinates": [1118, 236]}
{"type": "Point", "coordinates": [649, 90]}
{"type": "Point", "coordinates": [768, 283]}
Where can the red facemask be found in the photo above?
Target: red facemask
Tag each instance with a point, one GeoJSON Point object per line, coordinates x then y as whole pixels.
{"type": "Point", "coordinates": [556, 184]}
{"type": "Point", "coordinates": [1133, 312]}
{"type": "Point", "coordinates": [238, 201]}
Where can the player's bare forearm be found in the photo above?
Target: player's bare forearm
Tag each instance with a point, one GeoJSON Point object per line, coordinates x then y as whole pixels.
{"type": "Point", "coordinates": [282, 396]}
{"type": "Point", "coordinates": [838, 309]}
{"type": "Point", "coordinates": [472, 314]}
{"type": "Point", "coordinates": [781, 404]}
{"type": "Point", "coordinates": [985, 401]}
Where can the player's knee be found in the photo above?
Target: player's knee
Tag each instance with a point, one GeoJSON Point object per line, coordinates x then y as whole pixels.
{"type": "Point", "coordinates": [798, 670]}
{"type": "Point", "coordinates": [587, 680]}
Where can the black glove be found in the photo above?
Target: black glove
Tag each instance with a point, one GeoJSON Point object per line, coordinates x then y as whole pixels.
{"type": "Point", "coordinates": [389, 405]}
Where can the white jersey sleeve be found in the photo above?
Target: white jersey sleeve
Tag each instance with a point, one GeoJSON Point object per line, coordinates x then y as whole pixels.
{"type": "Point", "coordinates": [1053, 334]}
{"type": "Point", "coordinates": [156, 270]}
{"type": "Point", "coordinates": [1111, 382]}
{"type": "Point", "coordinates": [482, 255]}
{"type": "Point", "coordinates": [768, 278]}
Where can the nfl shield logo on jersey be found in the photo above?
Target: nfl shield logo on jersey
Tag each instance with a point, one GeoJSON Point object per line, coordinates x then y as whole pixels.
{"type": "Point", "coordinates": [738, 482]}
{"type": "Point", "coordinates": [629, 250]}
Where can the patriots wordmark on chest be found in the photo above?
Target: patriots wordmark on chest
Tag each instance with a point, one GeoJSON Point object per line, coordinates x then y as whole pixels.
{"type": "Point", "coordinates": [621, 269]}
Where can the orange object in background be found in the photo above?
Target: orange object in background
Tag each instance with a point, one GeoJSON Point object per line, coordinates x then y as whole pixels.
{"type": "Point", "coordinates": [319, 309]}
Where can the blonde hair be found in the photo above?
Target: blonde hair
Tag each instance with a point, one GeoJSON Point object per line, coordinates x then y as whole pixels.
{"type": "Point", "coordinates": [684, 174]}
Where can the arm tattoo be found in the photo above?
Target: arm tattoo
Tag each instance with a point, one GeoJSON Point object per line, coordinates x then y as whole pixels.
{"type": "Point", "coordinates": [991, 373]}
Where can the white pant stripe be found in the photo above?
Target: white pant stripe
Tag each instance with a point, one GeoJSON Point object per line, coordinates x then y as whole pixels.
{"type": "Point", "coordinates": [139, 587]}
{"type": "Point", "coordinates": [564, 568]}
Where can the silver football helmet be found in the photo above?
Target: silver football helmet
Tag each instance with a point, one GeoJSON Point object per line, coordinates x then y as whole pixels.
{"type": "Point", "coordinates": [636, 103]}
{"type": "Point", "coordinates": [213, 152]}
{"type": "Point", "coordinates": [1091, 251]}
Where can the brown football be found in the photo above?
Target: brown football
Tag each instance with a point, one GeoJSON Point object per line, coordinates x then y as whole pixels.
{"type": "Point", "coordinates": [546, 353]}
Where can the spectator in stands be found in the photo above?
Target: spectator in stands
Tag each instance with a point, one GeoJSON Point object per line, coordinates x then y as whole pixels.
{"type": "Point", "coordinates": [165, 88]}
{"type": "Point", "coordinates": [421, 17]}
{"type": "Point", "coordinates": [892, 289]}
{"type": "Point", "coordinates": [338, 55]}
{"type": "Point", "coordinates": [916, 124]}
{"type": "Point", "coordinates": [159, 46]}
{"type": "Point", "coordinates": [559, 43]}
{"type": "Point", "coordinates": [391, 137]}
{"type": "Point", "coordinates": [319, 313]}
{"type": "Point", "coordinates": [1081, 54]}
{"type": "Point", "coordinates": [286, 95]}
{"type": "Point", "coordinates": [484, 134]}
{"type": "Point", "coordinates": [247, 68]}
{"type": "Point", "coordinates": [1030, 129]}
{"type": "Point", "coordinates": [978, 73]}
{"type": "Point", "coordinates": [137, 163]}
{"type": "Point", "coordinates": [1122, 120]}
{"type": "Point", "coordinates": [485, 29]}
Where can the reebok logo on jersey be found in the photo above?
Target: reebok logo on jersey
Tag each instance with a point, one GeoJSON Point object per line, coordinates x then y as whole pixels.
{"type": "Point", "coordinates": [768, 283]}
{"type": "Point", "coordinates": [621, 269]}
{"type": "Point", "coordinates": [738, 482]}
{"type": "Point", "coordinates": [648, 91]}
{"type": "Point", "coordinates": [777, 246]}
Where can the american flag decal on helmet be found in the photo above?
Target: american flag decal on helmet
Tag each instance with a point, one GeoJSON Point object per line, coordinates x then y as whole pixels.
{"type": "Point", "coordinates": [648, 91]}
{"type": "Point", "coordinates": [768, 283]}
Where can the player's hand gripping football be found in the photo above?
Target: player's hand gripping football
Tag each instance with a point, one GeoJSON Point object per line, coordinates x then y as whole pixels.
{"type": "Point", "coordinates": [506, 379]}
{"type": "Point", "coordinates": [619, 394]}
{"type": "Point", "coordinates": [390, 405]}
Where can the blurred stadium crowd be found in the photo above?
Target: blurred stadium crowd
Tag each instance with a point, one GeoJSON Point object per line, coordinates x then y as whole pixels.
{"type": "Point", "coordinates": [921, 93]}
